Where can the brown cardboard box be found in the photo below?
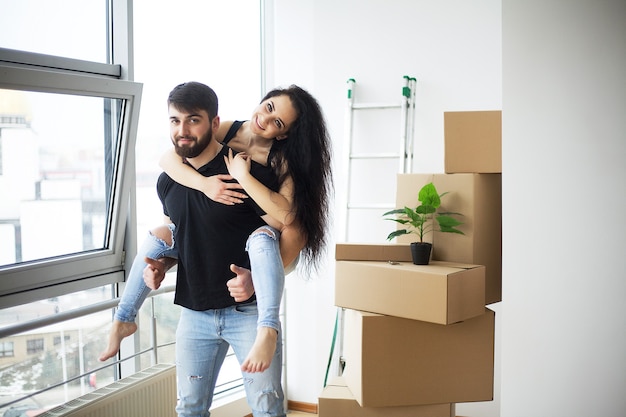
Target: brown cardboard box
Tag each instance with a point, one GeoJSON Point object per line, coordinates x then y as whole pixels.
{"type": "Point", "coordinates": [400, 252]}
{"type": "Point", "coordinates": [392, 361]}
{"type": "Point", "coordinates": [473, 141]}
{"type": "Point", "coordinates": [442, 292]}
{"type": "Point", "coordinates": [478, 197]}
{"type": "Point", "coordinates": [337, 401]}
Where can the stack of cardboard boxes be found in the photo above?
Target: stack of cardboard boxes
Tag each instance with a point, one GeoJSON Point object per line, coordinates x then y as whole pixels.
{"type": "Point", "coordinates": [419, 338]}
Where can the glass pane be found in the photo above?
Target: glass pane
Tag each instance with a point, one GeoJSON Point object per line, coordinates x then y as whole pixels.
{"type": "Point", "coordinates": [232, 69]}
{"type": "Point", "coordinates": [55, 175]}
{"type": "Point", "coordinates": [167, 313]}
{"type": "Point", "coordinates": [45, 357]}
{"type": "Point", "coordinates": [21, 20]}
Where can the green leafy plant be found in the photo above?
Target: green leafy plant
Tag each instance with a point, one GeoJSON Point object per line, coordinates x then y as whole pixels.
{"type": "Point", "coordinates": [422, 219]}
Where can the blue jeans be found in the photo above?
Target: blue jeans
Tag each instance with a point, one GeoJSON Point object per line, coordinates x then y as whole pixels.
{"type": "Point", "coordinates": [136, 290]}
{"type": "Point", "coordinates": [202, 341]}
{"type": "Point", "coordinates": [268, 274]}
{"type": "Point", "coordinates": [268, 277]}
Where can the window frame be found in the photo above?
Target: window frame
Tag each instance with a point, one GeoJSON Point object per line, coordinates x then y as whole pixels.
{"type": "Point", "coordinates": [31, 281]}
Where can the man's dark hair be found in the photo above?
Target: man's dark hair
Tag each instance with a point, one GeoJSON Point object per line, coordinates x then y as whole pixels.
{"type": "Point", "coordinates": [193, 96]}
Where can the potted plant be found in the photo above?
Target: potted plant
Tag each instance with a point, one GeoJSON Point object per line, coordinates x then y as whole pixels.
{"type": "Point", "coordinates": [423, 219]}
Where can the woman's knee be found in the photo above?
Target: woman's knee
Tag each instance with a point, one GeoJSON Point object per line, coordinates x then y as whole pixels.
{"type": "Point", "coordinates": [267, 231]}
{"type": "Point", "coordinates": [164, 233]}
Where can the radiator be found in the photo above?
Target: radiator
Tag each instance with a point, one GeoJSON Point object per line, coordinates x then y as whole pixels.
{"type": "Point", "coordinates": [149, 393]}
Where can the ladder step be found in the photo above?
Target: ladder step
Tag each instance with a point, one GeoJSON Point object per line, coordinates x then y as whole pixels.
{"type": "Point", "coordinates": [375, 156]}
{"type": "Point", "coordinates": [375, 106]}
{"type": "Point", "coordinates": [368, 206]}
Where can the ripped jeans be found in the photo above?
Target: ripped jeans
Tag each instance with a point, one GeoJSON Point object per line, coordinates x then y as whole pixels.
{"type": "Point", "coordinates": [268, 276]}
{"type": "Point", "coordinates": [136, 291]}
{"type": "Point", "coordinates": [202, 341]}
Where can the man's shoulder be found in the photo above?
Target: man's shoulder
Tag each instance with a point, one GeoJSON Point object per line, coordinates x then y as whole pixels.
{"type": "Point", "coordinates": [164, 182]}
{"type": "Point", "coordinates": [163, 177]}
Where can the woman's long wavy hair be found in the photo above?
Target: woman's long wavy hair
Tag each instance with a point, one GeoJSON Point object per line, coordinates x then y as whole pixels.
{"type": "Point", "coordinates": [305, 156]}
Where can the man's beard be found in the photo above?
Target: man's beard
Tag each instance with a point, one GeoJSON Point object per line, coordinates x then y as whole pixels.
{"type": "Point", "coordinates": [197, 148]}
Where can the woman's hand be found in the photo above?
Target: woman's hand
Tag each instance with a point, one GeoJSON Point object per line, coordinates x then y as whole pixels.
{"type": "Point", "coordinates": [238, 165]}
{"type": "Point", "coordinates": [217, 189]}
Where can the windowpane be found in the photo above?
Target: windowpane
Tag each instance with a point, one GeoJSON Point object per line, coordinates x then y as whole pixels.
{"type": "Point", "coordinates": [41, 358]}
{"type": "Point", "coordinates": [56, 173]}
{"type": "Point", "coordinates": [34, 346]}
{"type": "Point", "coordinates": [231, 66]}
{"type": "Point", "coordinates": [6, 349]}
{"type": "Point", "coordinates": [167, 313]}
{"type": "Point", "coordinates": [72, 28]}
{"type": "Point", "coordinates": [62, 149]}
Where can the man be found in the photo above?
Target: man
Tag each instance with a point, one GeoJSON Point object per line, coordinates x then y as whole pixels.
{"type": "Point", "coordinates": [210, 237]}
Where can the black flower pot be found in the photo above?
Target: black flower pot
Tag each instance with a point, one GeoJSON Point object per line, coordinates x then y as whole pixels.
{"type": "Point", "coordinates": [420, 251]}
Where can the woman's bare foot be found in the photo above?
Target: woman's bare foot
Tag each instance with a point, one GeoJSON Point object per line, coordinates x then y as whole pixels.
{"type": "Point", "coordinates": [262, 352]}
{"type": "Point", "coordinates": [119, 330]}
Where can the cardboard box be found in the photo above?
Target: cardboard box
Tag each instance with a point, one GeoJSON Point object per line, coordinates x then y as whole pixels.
{"type": "Point", "coordinates": [473, 141]}
{"type": "Point", "coordinates": [442, 292]}
{"type": "Point", "coordinates": [392, 361]}
{"type": "Point", "coordinates": [337, 401]}
{"type": "Point", "coordinates": [399, 252]}
{"type": "Point", "coordinates": [478, 197]}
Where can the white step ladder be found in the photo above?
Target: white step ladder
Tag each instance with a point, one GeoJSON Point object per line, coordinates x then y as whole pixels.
{"type": "Point", "coordinates": [403, 152]}
{"type": "Point", "coordinates": [404, 156]}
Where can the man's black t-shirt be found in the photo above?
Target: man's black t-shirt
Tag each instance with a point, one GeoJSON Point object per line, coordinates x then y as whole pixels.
{"type": "Point", "coordinates": [210, 236]}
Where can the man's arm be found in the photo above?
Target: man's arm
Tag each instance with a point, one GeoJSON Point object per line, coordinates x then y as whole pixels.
{"type": "Point", "coordinates": [154, 272]}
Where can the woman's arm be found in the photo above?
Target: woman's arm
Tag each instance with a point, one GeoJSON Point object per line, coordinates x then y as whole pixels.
{"type": "Point", "coordinates": [214, 187]}
{"type": "Point", "coordinates": [277, 205]}
{"type": "Point", "coordinates": [292, 239]}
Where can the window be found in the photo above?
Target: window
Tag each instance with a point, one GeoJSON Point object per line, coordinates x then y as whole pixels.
{"type": "Point", "coordinates": [78, 169]}
{"type": "Point", "coordinates": [63, 176]}
{"type": "Point", "coordinates": [34, 346]}
{"type": "Point", "coordinates": [6, 349]}
{"type": "Point", "coordinates": [67, 131]}
{"type": "Point", "coordinates": [230, 63]}
{"type": "Point", "coordinates": [20, 24]}
{"type": "Point", "coordinates": [57, 339]}
{"type": "Point", "coordinates": [68, 122]}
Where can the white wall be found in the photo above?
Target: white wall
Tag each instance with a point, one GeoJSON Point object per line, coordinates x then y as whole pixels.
{"type": "Point", "coordinates": [563, 96]}
{"type": "Point", "coordinates": [564, 200]}
{"type": "Point", "coordinates": [452, 48]}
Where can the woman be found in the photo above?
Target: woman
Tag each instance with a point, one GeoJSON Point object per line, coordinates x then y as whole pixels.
{"type": "Point", "coordinates": [286, 132]}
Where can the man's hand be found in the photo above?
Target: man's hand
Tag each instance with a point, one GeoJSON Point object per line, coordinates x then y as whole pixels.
{"type": "Point", "coordinates": [218, 189]}
{"type": "Point", "coordinates": [154, 273]}
{"type": "Point", "coordinates": [241, 287]}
